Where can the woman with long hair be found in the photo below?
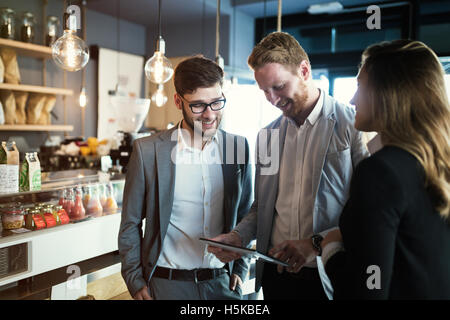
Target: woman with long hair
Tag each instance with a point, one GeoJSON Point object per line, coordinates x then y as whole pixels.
{"type": "Point", "coordinates": [393, 240]}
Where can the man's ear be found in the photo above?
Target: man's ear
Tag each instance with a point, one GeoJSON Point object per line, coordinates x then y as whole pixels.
{"type": "Point", "coordinates": [177, 100]}
{"type": "Point", "coordinates": [304, 70]}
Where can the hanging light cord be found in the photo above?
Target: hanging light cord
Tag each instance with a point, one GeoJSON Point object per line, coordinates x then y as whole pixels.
{"type": "Point", "coordinates": [217, 27]}
{"type": "Point", "coordinates": [279, 16]}
{"type": "Point", "coordinates": [118, 46]}
{"type": "Point", "coordinates": [159, 18]}
{"type": "Point", "coordinates": [83, 15]}
{"type": "Point", "coordinates": [265, 18]}
{"type": "Point", "coordinates": [203, 26]}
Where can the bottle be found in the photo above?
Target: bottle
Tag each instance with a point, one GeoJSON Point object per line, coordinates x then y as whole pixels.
{"type": "Point", "coordinates": [86, 194]}
{"type": "Point", "coordinates": [27, 28]}
{"type": "Point", "coordinates": [49, 219]}
{"type": "Point", "coordinates": [62, 197]}
{"type": "Point", "coordinates": [78, 211]}
{"type": "Point", "coordinates": [94, 207]}
{"type": "Point", "coordinates": [69, 201]}
{"type": "Point", "coordinates": [7, 23]}
{"type": "Point", "coordinates": [102, 194]}
{"type": "Point", "coordinates": [111, 204]}
{"type": "Point", "coordinates": [51, 31]}
{"type": "Point", "coordinates": [64, 218]}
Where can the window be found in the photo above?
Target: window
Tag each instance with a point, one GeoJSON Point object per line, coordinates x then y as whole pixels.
{"type": "Point", "coordinates": [344, 88]}
{"type": "Point", "coordinates": [247, 111]}
{"type": "Point", "coordinates": [447, 84]}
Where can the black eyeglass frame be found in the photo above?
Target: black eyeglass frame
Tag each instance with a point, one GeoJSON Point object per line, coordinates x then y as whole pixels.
{"type": "Point", "coordinates": [205, 105]}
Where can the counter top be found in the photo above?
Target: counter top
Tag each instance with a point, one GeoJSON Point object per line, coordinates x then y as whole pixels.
{"type": "Point", "coordinates": [64, 245]}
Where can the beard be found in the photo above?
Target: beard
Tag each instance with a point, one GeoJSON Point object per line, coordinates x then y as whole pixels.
{"type": "Point", "coordinates": [197, 127]}
{"type": "Point", "coordinates": [298, 102]}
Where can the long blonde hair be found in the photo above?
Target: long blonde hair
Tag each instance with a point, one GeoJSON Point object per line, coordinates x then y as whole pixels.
{"type": "Point", "coordinates": [412, 109]}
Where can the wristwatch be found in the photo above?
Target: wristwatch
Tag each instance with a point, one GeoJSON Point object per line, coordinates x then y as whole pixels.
{"type": "Point", "coordinates": [316, 241]}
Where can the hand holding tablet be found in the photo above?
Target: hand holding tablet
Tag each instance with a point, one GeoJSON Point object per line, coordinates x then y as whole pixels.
{"type": "Point", "coordinates": [243, 251]}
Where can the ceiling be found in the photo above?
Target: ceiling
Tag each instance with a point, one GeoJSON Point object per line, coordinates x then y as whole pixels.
{"type": "Point", "coordinates": [145, 12]}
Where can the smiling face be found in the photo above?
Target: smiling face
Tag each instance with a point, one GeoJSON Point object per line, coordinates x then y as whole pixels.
{"type": "Point", "coordinates": [283, 88]}
{"type": "Point", "coordinates": [364, 119]}
{"type": "Point", "coordinates": [206, 122]}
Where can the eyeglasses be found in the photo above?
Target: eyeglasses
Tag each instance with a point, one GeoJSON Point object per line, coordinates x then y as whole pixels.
{"type": "Point", "coordinates": [201, 107]}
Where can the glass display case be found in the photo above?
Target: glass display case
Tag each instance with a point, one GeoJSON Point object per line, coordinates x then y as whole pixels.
{"type": "Point", "coordinates": [38, 246]}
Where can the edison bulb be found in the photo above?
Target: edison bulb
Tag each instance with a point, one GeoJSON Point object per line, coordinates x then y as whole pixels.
{"type": "Point", "coordinates": [83, 98]}
{"type": "Point", "coordinates": [158, 68]}
{"type": "Point", "coordinates": [159, 97]}
{"type": "Point", "coordinates": [70, 52]}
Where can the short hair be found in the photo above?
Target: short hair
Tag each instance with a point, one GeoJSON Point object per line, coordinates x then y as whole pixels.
{"type": "Point", "coordinates": [196, 72]}
{"type": "Point", "coordinates": [277, 47]}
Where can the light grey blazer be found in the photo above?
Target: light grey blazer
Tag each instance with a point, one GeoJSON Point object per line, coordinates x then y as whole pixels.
{"type": "Point", "coordinates": [334, 149]}
{"type": "Point", "coordinates": [149, 194]}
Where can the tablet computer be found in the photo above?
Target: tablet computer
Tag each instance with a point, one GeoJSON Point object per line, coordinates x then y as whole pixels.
{"type": "Point", "coordinates": [243, 251]}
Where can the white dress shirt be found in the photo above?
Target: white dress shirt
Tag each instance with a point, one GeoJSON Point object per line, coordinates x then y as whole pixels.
{"type": "Point", "coordinates": [290, 222]}
{"type": "Point", "coordinates": [197, 209]}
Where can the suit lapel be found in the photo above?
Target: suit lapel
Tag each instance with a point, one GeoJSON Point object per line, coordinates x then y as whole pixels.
{"type": "Point", "coordinates": [228, 171]}
{"type": "Point", "coordinates": [166, 177]}
{"type": "Point", "coordinates": [319, 148]}
{"type": "Point", "coordinates": [269, 183]}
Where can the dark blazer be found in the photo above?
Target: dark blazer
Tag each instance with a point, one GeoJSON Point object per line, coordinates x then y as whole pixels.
{"type": "Point", "coordinates": [149, 193]}
{"type": "Point", "coordinates": [389, 221]}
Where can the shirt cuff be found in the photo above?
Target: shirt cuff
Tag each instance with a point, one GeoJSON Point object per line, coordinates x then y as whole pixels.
{"type": "Point", "coordinates": [330, 249]}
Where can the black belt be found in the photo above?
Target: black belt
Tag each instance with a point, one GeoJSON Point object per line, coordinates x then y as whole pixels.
{"type": "Point", "coordinates": [188, 275]}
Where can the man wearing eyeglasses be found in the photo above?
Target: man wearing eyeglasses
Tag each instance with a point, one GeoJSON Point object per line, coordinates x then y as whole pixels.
{"type": "Point", "coordinates": [191, 181]}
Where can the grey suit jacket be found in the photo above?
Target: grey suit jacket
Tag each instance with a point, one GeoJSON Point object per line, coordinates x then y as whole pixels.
{"type": "Point", "coordinates": [149, 193]}
{"type": "Point", "coordinates": [334, 149]}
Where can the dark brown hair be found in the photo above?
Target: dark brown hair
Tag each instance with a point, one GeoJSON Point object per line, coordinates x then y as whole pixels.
{"type": "Point", "coordinates": [196, 72]}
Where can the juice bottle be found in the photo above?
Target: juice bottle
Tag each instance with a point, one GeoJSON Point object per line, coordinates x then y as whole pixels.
{"type": "Point", "coordinates": [62, 197]}
{"type": "Point", "coordinates": [78, 212]}
{"type": "Point", "coordinates": [86, 194]}
{"type": "Point", "coordinates": [102, 194]}
{"type": "Point", "coordinates": [111, 204]}
{"type": "Point", "coordinates": [94, 207]}
{"type": "Point", "coordinates": [69, 201]}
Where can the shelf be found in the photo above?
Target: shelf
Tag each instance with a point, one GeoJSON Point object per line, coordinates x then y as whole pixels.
{"type": "Point", "coordinates": [35, 127]}
{"type": "Point", "coordinates": [38, 89]}
{"type": "Point", "coordinates": [27, 49]}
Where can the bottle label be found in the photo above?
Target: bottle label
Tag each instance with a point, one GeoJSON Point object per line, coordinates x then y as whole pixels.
{"type": "Point", "coordinates": [64, 217]}
{"type": "Point", "coordinates": [49, 220]}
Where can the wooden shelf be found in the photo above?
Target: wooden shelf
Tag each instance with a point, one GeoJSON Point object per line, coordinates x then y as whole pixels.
{"type": "Point", "coordinates": [35, 127]}
{"type": "Point", "coordinates": [39, 89]}
{"type": "Point", "coordinates": [27, 49]}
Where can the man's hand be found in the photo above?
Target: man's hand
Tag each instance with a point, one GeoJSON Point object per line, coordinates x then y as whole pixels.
{"type": "Point", "coordinates": [223, 254]}
{"type": "Point", "coordinates": [235, 280]}
{"type": "Point", "coordinates": [295, 252]}
{"type": "Point", "coordinates": [142, 294]}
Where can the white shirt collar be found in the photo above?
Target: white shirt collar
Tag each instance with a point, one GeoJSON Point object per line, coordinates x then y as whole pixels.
{"type": "Point", "coordinates": [315, 113]}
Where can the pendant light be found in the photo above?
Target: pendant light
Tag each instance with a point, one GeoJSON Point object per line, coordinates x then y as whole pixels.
{"type": "Point", "coordinates": [219, 59]}
{"type": "Point", "coordinates": [158, 68]}
{"type": "Point", "coordinates": [159, 97]}
{"type": "Point", "coordinates": [70, 52]}
{"type": "Point", "coordinates": [82, 99]}
{"type": "Point", "coordinates": [279, 16]}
